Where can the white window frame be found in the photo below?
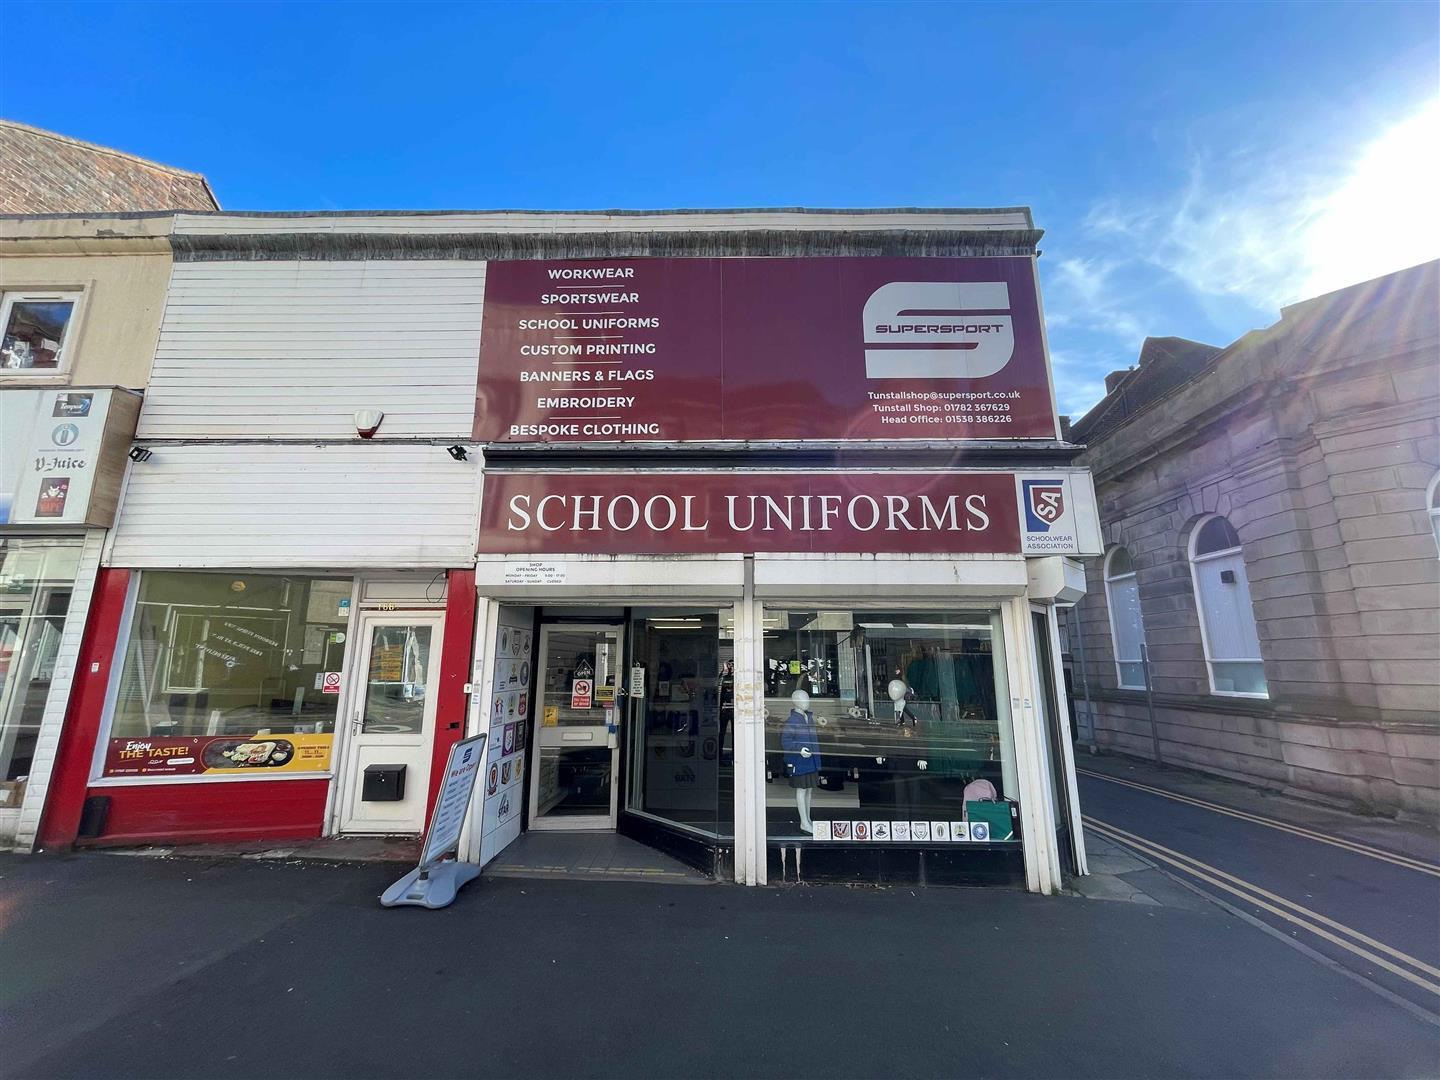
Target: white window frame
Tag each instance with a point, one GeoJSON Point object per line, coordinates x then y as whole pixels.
{"type": "Point", "coordinates": [1110, 612]}
{"type": "Point", "coordinates": [1432, 510]}
{"type": "Point", "coordinates": [61, 372]}
{"type": "Point", "coordinates": [1211, 660]}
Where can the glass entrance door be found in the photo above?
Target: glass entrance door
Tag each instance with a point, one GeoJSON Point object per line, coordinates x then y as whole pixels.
{"type": "Point", "coordinates": [576, 723]}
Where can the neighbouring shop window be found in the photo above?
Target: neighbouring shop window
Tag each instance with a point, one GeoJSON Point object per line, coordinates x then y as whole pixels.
{"type": "Point", "coordinates": [682, 765]}
{"type": "Point", "coordinates": [37, 577]}
{"type": "Point", "coordinates": [1227, 617]}
{"type": "Point", "coordinates": [887, 727]}
{"type": "Point", "coordinates": [1127, 625]}
{"type": "Point", "coordinates": [36, 329]}
{"type": "Point", "coordinates": [230, 674]}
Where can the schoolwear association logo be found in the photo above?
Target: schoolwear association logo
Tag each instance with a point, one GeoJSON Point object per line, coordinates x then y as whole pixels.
{"type": "Point", "coordinates": [1047, 516]}
{"type": "Point", "coordinates": [938, 330]}
{"type": "Point", "coordinates": [1044, 504]}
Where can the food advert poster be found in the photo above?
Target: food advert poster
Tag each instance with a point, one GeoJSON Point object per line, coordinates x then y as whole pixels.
{"type": "Point", "coordinates": [256, 755]}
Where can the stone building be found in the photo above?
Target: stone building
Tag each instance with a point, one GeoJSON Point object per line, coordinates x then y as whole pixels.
{"type": "Point", "coordinates": [45, 173]}
{"type": "Point", "coordinates": [1271, 521]}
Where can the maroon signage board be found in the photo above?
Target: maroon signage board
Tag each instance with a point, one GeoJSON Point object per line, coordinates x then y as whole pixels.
{"type": "Point", "coordinates": [750, 349]}
{"type": "Point", "coordinates": [689, 513]}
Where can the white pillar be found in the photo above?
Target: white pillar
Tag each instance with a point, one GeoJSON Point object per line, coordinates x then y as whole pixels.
{"type": "Point", "coordinates": [1067, 751]}
{"type": "Point", "coordinates": [477, 716]}
{"type": "Point", "coordinates": [1042, 866]}
{"type": "Point", "coordinates": [749, 737]}
{"type": "Point", "coordinates": [57, 699]}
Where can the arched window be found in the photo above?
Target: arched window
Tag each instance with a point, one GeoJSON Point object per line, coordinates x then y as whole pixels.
{"type": "Point", "coordinates": [1227, 617]}
{"type": "Point", "coordinates": [1127, 625]}
{"type": "Point", "coordinates": [1432, 503]}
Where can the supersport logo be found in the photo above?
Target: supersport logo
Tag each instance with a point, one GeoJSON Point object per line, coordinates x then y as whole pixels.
{"type": "Point", "coordinates": [938, 330]}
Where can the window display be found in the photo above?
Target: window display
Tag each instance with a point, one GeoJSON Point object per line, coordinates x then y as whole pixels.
{"type": "Point", "coordinates": [227, 673]}
{"type": "Point", "coordinates": [682, 700]}
{"type": "Point", "coordinates": [36, 579]}
{"type": "Point", "coordinates": [887, 727]}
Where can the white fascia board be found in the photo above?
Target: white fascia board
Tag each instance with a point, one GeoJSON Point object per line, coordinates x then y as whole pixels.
{"type": "Point", "coordinates": [870, 577]}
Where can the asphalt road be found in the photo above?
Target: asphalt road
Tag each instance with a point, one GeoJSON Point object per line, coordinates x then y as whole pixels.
{"type": "Point", "coordinates": [141, 967]}
{"type": "Point", "coordinates": [1319, 877]}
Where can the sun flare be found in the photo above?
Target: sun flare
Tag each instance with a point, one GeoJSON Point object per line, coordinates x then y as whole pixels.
{"type": "Point", "coordinates": [1384, 215]}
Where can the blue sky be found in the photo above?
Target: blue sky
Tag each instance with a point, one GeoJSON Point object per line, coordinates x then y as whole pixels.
{"type": "Point", "coordinates": [1194, 166]}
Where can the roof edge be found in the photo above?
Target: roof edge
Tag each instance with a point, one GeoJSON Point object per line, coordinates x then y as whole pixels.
{"type": "Point", "coordinates": [618, 212]}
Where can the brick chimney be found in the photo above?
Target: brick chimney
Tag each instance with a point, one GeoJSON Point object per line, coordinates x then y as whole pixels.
{"type": "Point", "coordinates": [1113, 379]}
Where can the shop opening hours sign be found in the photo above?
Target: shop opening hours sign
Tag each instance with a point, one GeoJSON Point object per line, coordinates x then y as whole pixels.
{"type": "Point", "coordinates": [730, 349]}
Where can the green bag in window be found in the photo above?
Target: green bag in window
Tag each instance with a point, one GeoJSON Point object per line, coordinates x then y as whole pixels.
{"type": "Point", "coordinates": [994, 814]}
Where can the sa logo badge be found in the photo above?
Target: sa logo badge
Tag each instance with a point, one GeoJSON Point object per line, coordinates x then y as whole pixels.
{"type": "Point", "coordinates": [1044, 504]}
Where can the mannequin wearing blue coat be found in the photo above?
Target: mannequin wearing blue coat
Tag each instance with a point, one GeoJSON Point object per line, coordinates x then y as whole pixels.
{"type": "Point", "coordinates": [802, 755]}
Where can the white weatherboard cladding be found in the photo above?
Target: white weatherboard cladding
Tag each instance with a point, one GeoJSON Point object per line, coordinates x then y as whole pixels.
{"type": "Point", "coordinates": [262, 505]}
{"type": "Point", "coordinates": [284, 349]}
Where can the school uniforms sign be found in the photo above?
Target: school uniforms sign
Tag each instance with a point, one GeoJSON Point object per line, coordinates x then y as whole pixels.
{"type": "Point", "coordinates": [722, 349]}
{"type": "Point", "coordinates": [679, 513]}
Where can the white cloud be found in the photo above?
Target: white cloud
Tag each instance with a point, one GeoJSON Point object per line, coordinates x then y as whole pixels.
{"type": "Point", "coordinates": [1088, 297]}
{"type": "Point", "coordinates": [1270, 228]}
{"type": "Point", "coordinates": [1250, 230]}
{"type": "Point", "coordinates": [1079, 381]}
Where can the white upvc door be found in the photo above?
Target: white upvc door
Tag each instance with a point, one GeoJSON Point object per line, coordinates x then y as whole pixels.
{"type": "Point", "coordinates": [391, 720]}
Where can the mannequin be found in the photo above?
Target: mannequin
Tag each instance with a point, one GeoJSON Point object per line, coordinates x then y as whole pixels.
{"type": "Point", "coordinates": [898, 692]}
{"type": "Point", "coordinates": [802, 754]}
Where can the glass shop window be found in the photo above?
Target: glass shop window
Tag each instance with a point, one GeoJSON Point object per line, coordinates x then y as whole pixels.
{"type": "Point", "coordinates": [36, 580]}
{"type": "Point", "coordinates": [36, 328]}
{"type": "Point", "coordinates": [226, 674]}
{"type": "Point", "coordinates": [888, 727]}
{"type": "Point", "coordinates": [682, 747]}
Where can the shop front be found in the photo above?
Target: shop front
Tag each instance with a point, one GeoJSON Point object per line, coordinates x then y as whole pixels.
{"type": "Point", "coordinates": [62, 454]}
{"type": "Point", "coordinates": [871, 700]}
{"type": "Point", "coordinates": [263, 705]}
{"type": "Point", "coordinates": [782, 539]}
{"type": "Point", "coordinates": [739, 534]}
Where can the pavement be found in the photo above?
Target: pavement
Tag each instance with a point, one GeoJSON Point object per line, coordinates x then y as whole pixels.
{"type": "Point", "coordinates": [226, 967]}
{"type": "Point", "coordinates": [1360, 891]}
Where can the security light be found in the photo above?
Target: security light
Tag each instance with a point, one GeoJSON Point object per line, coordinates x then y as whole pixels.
{"type": "Point", "coordinates": [141, 453]}
{"type": "Point", "coordinates": [457, 452]}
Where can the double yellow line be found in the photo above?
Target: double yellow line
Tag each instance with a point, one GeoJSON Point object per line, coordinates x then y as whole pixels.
{"type": "Point", "coordinates": [1283, 826]}
{"type": "Point", "coordinates": [1401, 964]}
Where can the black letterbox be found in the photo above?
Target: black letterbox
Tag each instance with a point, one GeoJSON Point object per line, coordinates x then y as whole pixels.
{"type": "Point", "coordinates": [383, 783]}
